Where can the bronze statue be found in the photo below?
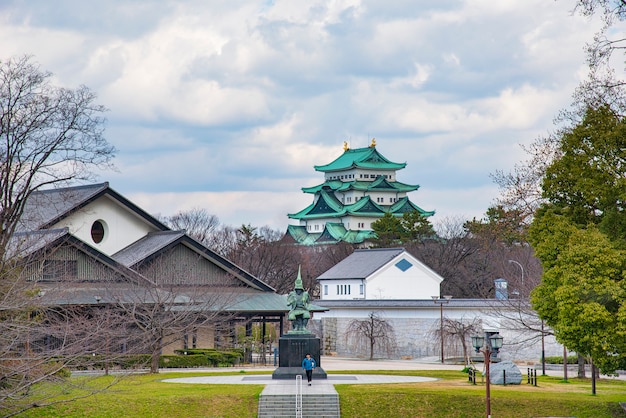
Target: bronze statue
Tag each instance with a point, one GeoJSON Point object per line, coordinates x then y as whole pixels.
{"type": "Point", "coordinates": [299, 303]}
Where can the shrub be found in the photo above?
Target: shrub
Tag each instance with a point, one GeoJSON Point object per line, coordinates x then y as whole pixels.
{"type": "Point", "coordinates": [216, 358]}
{"type": "Point", "coordinates": [559, 360]}
{"type": "Point", "coordinates": [194, 360]}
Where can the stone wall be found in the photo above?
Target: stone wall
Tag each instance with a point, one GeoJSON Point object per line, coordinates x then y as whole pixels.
{"type": "Point", "coordinates": [419, 338]}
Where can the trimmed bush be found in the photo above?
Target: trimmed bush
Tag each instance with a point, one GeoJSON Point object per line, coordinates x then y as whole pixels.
{"type": "Point", "coordinates": [559, 360]}
{"type": "Point", "coordinates": [194, 360]}
{"type": "Point", "coordinates": [215, 358]}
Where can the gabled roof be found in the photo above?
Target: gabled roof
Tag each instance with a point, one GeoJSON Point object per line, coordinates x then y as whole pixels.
{"type": "Point", "coordinates": [365, 207]}
{"type": "Point", "coordinates": [157, 243]}
{"type": "Point", "coordinates": [44, 208]}
{"type": "Point", "coordinates": [366, 158]}
{"type": "Point", "coordinates": [361, 263]}
{"type": "Point", "coordinates": [147, 247]}
{"type": "Point", "coordinates": [325, 206]}
{"type": "Point", "coordinates": [405, 205]}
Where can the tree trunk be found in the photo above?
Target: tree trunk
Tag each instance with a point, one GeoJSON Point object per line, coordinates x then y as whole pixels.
{"type": "Point", "coordinates": [581, 367]}
{"type": "Point", "coordinates": [155, 357]}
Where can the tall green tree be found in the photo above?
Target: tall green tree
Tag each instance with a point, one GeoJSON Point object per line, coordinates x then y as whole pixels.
{"type": "Point", "coordinates": [588, 178]}
{"type": "Point", "coordinates": [392, 230]}
{"type": "Point", "coordinates": [579, 238]}
{"type": "Point", "coordinates": [582, 295]}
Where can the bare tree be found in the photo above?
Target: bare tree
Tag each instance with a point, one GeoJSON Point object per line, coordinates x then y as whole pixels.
{"type": "Point", "coordinates": [462, 330]}
{"type": "Point", "coordinates": [48, 136]}
{"type": "Point", "coordinates": [373, 332]}
{"type": "Point", "coordinates": [198, 223]}
{"type": "Point", "coordinates": [41, 340]}
{"type": "Point", "coordinates": [260, 252]}
{"type": "Point", "coordinates": [182, 296]}
{"type": "Point", "coordinates": [520, 189]}
{"type": "Point", "coordinates": [456, 256]}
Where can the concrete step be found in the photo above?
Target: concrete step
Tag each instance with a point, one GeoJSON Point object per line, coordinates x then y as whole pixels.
{"type": "Point", "coordinates": [314, 406]}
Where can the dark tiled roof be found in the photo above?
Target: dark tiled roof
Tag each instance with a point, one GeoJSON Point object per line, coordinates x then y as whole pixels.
{"type": "Point", "coordinates": [45, 206]}
{"type": "Point", "coordinates": [23, 244]}
{"type": "Point", "coordinates": [361, 263]}
{"type": "Point", "coordinates": [146, 247]}
{"type": "Point", "coordinates": [413, 303]}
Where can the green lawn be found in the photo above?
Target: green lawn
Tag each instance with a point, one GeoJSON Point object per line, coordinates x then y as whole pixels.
{"type": "Point", "coordinates": [451, 396]}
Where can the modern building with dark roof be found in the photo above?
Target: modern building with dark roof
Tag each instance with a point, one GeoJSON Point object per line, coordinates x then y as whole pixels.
{"type": "Point", "coordinates": [381, 273]}
{"type": "Point", "coordinates": [359, 188]}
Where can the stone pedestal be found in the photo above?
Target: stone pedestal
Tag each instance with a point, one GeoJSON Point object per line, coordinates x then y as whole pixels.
{"type": "Point", "coordinates": [292, 349]}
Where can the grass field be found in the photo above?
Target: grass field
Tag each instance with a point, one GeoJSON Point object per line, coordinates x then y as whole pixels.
{"type": "Point", "coordinates": [450, 396]}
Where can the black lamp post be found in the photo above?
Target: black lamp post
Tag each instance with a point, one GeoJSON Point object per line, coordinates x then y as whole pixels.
{"type": "Point", "coordinates": [493, 346]}
{"type": "Point", "coordinates": [441, 302]}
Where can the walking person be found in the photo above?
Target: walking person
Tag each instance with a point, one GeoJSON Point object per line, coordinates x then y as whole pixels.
{"type": "Point", "coordinates": [308, 364]}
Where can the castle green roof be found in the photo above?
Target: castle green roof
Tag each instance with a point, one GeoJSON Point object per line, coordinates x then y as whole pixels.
{"type": "Point", "coordinates": [405, 205]}
{"type": "Point", "coordinates": [327, 206]}
{"type": "Point", "coordinates": [332, 234]}
{"type": "Point", "coordinates": [381, 183]}
{"type": "Point", "coordinates": [367, 158]}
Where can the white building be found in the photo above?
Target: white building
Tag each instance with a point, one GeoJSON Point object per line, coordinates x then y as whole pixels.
{"type": "Point", "coordinates": [379, 274]}
{"type": "Point", "coordinates": [399, 289]}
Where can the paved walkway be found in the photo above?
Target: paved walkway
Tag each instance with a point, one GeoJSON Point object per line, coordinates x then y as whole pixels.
{"type": "Point", "coordinates": [322, 386]}
{"type": "Point", "coordinates": [285, 386]}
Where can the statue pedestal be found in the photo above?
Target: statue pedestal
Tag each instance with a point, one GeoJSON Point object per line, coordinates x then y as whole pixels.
{"type": "Point", "coordinates": [292, 349]}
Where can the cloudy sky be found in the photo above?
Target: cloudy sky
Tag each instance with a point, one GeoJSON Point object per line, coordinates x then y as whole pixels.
{"type": "Point", "coordinates": [227, 105]}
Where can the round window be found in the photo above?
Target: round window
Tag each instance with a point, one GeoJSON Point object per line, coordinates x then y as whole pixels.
{"type": "Point", "coordinates": [97, 231]}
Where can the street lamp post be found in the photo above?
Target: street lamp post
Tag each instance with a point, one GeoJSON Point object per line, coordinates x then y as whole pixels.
{"type": "Point", "coordinates": [493, 345]}
{"type": "Point", "coordinates": [441, 302]}
{"type": "Point", "coordinates": [521, 267]}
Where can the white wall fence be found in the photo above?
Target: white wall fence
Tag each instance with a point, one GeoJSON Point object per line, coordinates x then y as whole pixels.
{"type": "Point", "coordinates": [418, 336]}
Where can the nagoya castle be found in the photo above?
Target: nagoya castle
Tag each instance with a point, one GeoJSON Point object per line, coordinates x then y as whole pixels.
{"type": "Point", "coordinates": [359, 188]}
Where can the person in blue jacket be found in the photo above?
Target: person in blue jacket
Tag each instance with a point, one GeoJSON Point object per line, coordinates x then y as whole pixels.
{"type": "Point", "coordinates": [308, 364]}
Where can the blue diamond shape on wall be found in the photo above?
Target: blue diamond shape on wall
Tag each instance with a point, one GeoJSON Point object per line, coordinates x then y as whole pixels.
{"type": "Point", "coordinates": [404, 265]}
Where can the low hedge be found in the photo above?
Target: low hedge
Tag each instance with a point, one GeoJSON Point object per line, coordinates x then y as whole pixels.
{"type": "Point", "coordinates": [98, 362]}
{"type": "Point", "coordinates": [559, 360]}
{"type": "Point", "coordinates": [215, 358]}
{"type": "Point", "coordinates": [182, 359]}
{"type": "Point", "coordinates": [194, 360]}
